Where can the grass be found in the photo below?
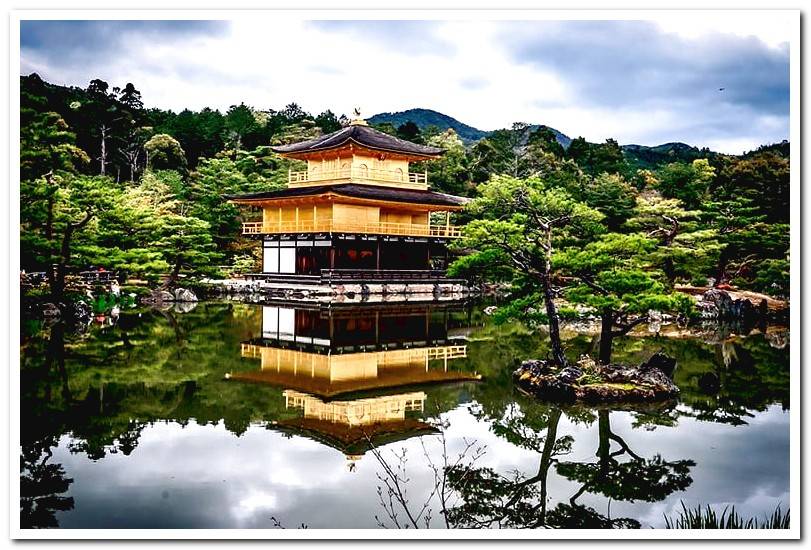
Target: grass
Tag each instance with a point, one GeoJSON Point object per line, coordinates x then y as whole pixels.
{"type": "Point", "coordinates": [707, 518]}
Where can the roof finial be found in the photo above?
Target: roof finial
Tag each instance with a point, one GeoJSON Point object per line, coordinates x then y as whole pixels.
{"type": "Point", "coordinates": [357, 121]}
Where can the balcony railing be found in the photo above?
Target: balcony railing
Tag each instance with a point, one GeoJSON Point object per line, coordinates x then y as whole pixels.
{"type": "Point", "coordinates": [356, 173]}
{"type": "Point", "coordinates": [369, 228]}
{"type": "Point", "coordinates": [253, 351]}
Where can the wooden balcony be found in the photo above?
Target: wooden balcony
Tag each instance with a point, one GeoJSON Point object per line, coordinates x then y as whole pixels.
{"type": "Point", "coordinates": [357, 174]}
{"type": "Point", "coordinates": [373, 228]}
{"type": "Point", "coordinates": [438, 353]}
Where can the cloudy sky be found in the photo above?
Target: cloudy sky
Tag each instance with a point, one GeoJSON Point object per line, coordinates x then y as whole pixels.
{"type": "Point", "coordinates": [646, 82]}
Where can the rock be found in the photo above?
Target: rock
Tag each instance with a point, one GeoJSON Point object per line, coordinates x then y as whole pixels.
{"type": "Point", "coordinates": [718, 304]}
{"type": "Point", "coordinates": [184, 295]}
{"type": "Point", "coordinates": [51, 311]}
{"type": "Point", "coordinates": [80, 312]}
{"type": "Point", "coordinates": [536, 366]}
{"type": "Point", "coordinates": [569, 375]}
{"type": "Point", "coordinates": [778, 339]}
{"type": "Point", "coordinates": [662, 362]}
{"type": "Point", "coordinates": [603, 383]}
{"type": "Point", "coordinates": [158, 297]}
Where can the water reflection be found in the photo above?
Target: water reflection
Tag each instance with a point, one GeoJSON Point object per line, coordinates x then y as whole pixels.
{"type": "Point", "coordinates": [137, 424]}
{"type": "Point", "coordinates": [320, 353]}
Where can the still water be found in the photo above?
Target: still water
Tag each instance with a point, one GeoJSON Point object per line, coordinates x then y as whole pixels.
{"type": "Point", "coordinates": [241, 416]}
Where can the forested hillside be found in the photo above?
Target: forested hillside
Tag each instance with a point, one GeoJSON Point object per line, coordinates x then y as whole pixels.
{"type": "Point", "coordinates": [108, 180]}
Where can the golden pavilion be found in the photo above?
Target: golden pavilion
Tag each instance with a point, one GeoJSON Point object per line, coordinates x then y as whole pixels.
{"type": "Point", "coordinates": [357, 212]}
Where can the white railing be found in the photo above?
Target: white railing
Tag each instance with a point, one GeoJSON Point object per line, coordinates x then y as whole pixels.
{"type": "Point", "coordinates": [371, 228]}
{"type": "Point", "coordinates": [356, 173]}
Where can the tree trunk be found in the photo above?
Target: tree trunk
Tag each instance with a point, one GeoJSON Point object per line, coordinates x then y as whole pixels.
{"type": "Point", "coordinates": [558, 357]}
{"type": "Point", "coordinates": [546, 457]}
{"type": "Point", "coordinates": [721, 274]}
{"type": "Point", "coordinates": [103, 155]}
{"type": "Point", "coordinates": [58, 279]}
{"type": "Point", "coordinates": [606, 335]}
{"type": "Point", "coordinates": [604, 445]}
{"type": "Point", "coordinates": [670, 270]}
{"type": "Point", "coordinates": [173, 276]}
{"type": "Point", "coordinates": [58, 283]}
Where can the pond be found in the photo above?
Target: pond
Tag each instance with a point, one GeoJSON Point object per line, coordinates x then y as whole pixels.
{"type": "Point", "coordinates": [231, 415]}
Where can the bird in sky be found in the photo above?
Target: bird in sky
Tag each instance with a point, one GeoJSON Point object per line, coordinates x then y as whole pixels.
{"type": "Point", "coordinates": [721, 89]}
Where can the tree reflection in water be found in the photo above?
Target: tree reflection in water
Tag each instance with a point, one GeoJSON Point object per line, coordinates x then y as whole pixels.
{"type": "Point", "coordinates": [42, 483]}
{"type": "Point", "coordinates": [474, 497]}
{"type": "Point", "coordinates": [105, 386]}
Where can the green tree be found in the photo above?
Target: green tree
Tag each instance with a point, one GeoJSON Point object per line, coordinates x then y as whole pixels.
{"type": "Point", "coordinates": [614, 280]}
{"type": "Point", "coordinates": [520, 222]}
{"type": "Point", "coordinates": [410, 132]}
{"type": "Point", "coordinates": [185, 242]}
{"type": "Point", "coordinates": [46, 144]}
{"type": "Point", "coordinates": [687, 248]}
{"type": "Point", "coordinates": [687, 182]}
{"type": "Point", "coordinates": [56, 217]}
{"type": "Point", "coordinates": [763, 176]}
{"type": "Point", "coordinates": [207, 185]}
{"type": "Point", "coordinates": [610, 195]}
{"type": "Point", "coordinates": [596, 158]}
{"type": "Point", "coordinates": [544, 139]}
{"type": "Point", "coordinates": [240, 120]}
{"type": "Point", "coordinates": [328, 122]}
{"type": "Point", "coordinates": [165, 153]}
{"type": "Point", "coordinates": [448, 174]}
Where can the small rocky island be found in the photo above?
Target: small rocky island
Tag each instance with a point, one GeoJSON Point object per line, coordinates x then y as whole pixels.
{"type": "Point", "coordinates": [587, 381]}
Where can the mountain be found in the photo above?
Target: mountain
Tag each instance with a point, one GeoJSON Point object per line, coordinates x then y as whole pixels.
{"type": "Point", "coordinates": [639, 156]}
{"type": "Point", "coordinates": [424, 118]}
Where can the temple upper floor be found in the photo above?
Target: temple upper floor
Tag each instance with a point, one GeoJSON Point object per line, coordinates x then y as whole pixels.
{"type": "Point", "coordinates": [358, 154]}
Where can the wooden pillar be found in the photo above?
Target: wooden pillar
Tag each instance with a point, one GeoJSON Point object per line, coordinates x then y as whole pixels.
{"type": "Point", "coordinates": [378, 253]}
{"type": "Point", "coordinates": [332, 257]}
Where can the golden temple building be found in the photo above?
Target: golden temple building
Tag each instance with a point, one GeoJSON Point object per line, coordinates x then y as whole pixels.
{"type": "Point", "coordinates": [356, 212]}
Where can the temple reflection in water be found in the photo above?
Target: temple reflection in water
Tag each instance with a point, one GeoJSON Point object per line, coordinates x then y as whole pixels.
{"type": "Point", "coordinates": [354, 374]}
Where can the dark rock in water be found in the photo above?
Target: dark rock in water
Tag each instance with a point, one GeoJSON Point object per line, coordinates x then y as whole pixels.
{"type": "Point", "coordinates": [158, 297]}
{"type": "Point", "coordinates": [662, 362]}
{"type": "Point", "coordinates": [51, 311]}
{"type": "Point", "coordinates": [79, 312]}
{"type": "Point", "coordinates": [184, 295]}
{"type": "Point", "coordinates": [536, 366]}
{"type": "Point", "coordinates": [709, 383]}
{"type": "Point", "coordinates": [569, 375]}
{"type": "Point", "coordinates": [593, 383]}
{"type": "Point", "coordinates": [718, 304]}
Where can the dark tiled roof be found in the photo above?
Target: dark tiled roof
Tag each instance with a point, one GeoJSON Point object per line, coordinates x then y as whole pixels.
{"type": "Point", "coordinates": [363, 135]}
{"type": "Point", "coordinates": [352, 190]}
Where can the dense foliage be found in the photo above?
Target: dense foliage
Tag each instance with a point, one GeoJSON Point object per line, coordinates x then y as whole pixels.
{"type": "Point", "coordinates": [108, 181]}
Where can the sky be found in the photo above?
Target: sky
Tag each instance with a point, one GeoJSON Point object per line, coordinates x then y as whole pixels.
{"type": "Point", "coordinates": [711, 80]}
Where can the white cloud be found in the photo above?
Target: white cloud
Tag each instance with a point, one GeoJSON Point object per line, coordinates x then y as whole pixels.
{"type": "Point", "coordinates": [456, 67]}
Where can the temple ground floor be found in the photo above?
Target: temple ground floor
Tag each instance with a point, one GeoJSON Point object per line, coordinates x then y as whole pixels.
{"type": "Point", "coordinates": [311, 255]}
